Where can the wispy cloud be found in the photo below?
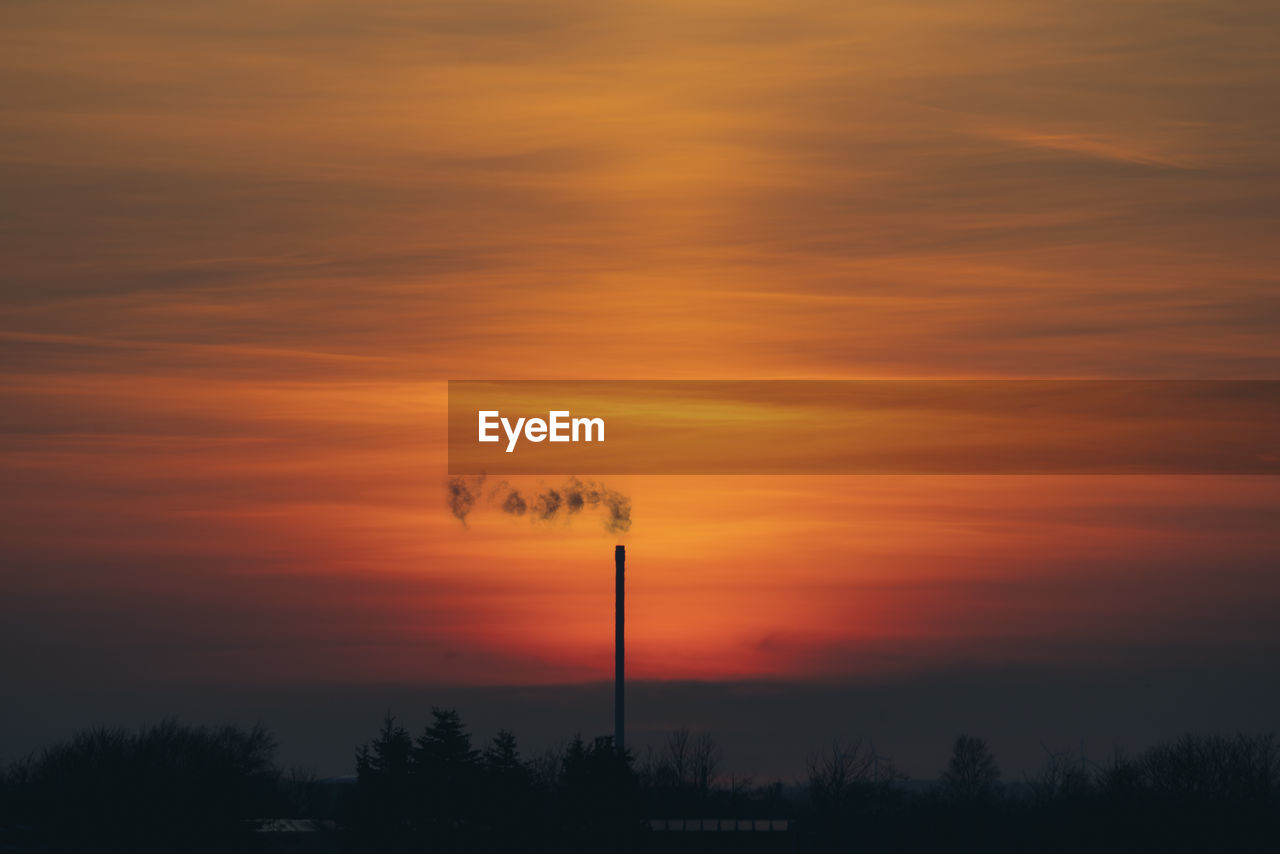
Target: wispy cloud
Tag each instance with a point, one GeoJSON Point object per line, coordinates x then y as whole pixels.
{"type": "Point", "coordinates": [245, 243]}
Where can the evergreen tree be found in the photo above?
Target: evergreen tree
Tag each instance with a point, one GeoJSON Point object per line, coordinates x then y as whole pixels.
{"type": "Point", "coordinates": [385, 808]}
{"type": "Point", "coordinates": [445, 745]}
{"type": "Point", "coordinates": [502, 756]}
{"type": "Point", "coordinates": [446, 772]}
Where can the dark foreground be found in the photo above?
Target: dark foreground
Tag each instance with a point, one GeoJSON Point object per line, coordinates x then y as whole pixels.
{"type": "Point", "coordinates": [195, 789]}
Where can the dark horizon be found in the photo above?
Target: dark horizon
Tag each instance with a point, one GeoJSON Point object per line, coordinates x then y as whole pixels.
{"type": "Point", "coordinates": [766, 728]}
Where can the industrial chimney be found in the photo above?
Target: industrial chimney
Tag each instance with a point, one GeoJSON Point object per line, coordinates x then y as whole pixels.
{"type": "Point", "coordinates": [619, 641]}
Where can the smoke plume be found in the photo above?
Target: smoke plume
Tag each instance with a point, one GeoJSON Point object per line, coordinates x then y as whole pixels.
{"type": "Point", "coordinates": [460, 493]}
{"type": "Point", "coordinates": [574, 496]}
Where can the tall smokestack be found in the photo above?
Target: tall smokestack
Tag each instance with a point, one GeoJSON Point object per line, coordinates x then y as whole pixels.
{"type": "Point", "coordinates": [619, 641]}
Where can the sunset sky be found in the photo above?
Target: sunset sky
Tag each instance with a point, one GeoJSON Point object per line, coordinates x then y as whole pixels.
{"type": "Point", "coordinates": [245, 245]}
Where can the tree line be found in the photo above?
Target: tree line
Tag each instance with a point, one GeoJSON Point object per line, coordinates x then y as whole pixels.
{"type": "Point", "coordinates": [174, 787]}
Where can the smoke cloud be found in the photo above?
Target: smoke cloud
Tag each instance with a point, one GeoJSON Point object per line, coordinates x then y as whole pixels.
{"type": "Point", "coordinates": [574, 496]}
{"type": "Point", "coordinates": [460, 494]}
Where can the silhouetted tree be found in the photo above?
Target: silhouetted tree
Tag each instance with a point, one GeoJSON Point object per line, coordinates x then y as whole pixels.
{"type": "Point", "coordinates": [502, 756]}
{"type": "Point", "coordinates": [510, 802]}
{"type": "Point", "coordinates": [972, 775]}
{"type": "Point", "coordinates": [167, 787]}
{"type": "Point", "coordinates": [691, 763]}
{"type": "Point", "coordinates": [1222, 769]}
{"type": "Point", "coordinates": [706, 763]}
{"type": "Point", "coordinates": [678, 759]}
{"type": "Point", "coordinates": [176, 788]}
{"type": "Point", "coordinates": [841, 775]}
{"type": "Point", "coordinates": [1212, 792]}
{"type": "Point", "coordinates": [597, 797]}
{"type": "Point", "coordinates": [843, 782]}
{"type": "Point", "coordinates": [386, 792]}
{"type": "Point", "coordinates": [546, 768]}
{"type": "Point", "coordinates": [389, 755]}
{"type": "Point", "coordinates": [445, 744]}
{"type": "Point", "coordinates": [1066, 776]}
{"type": "Point", "coordinates": [446, 772]}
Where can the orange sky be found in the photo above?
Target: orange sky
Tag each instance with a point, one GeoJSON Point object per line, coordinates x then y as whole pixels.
{"type": "Point", "coordinates": [246, 244]}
